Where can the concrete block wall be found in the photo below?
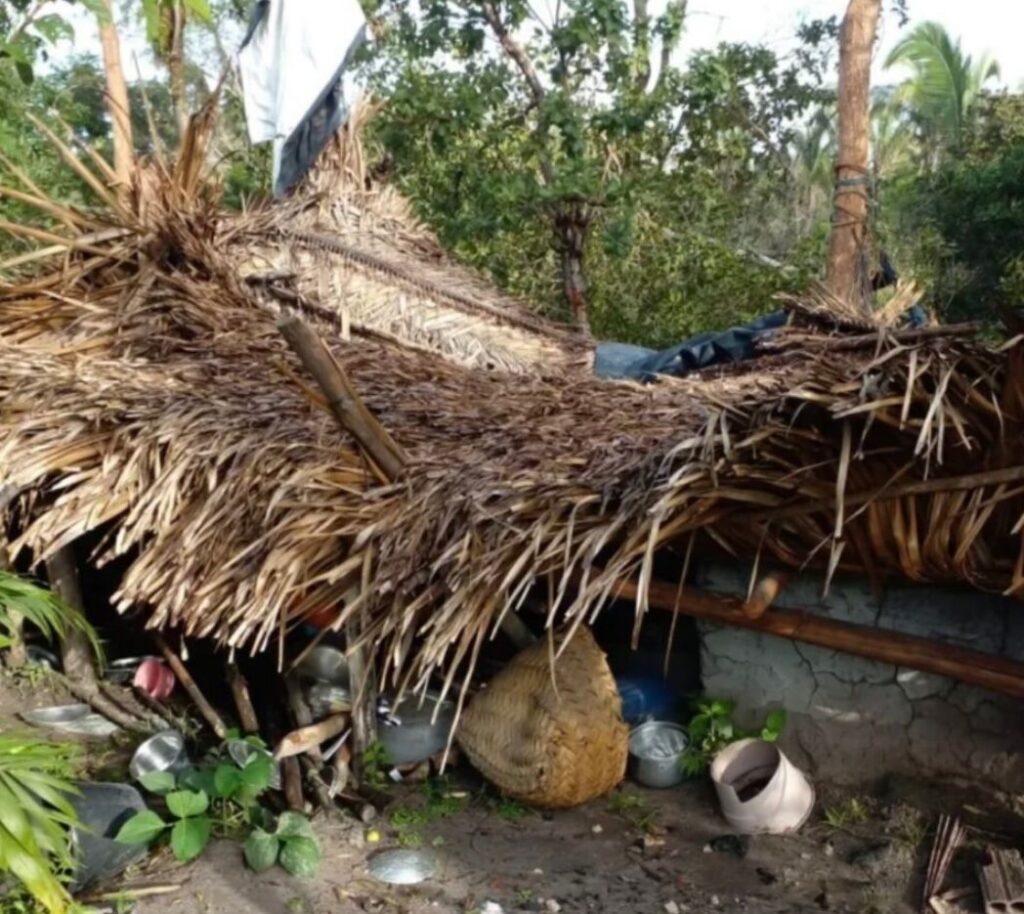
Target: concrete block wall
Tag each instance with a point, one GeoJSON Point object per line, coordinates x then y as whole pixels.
{"type": "Point", "coordinates": [850, 720]}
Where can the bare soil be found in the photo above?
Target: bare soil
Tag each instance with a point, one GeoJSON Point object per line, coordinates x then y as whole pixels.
{"type": "Point", "coordinates": [635, 851]}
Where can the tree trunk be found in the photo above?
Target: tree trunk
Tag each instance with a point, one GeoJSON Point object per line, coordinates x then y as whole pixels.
{"type": "Point", "coordinates": [176, 64]}
{"type": "Point", "coordinates": [76, 653]}
{"type": "Point", "coordinates": [571, 224]}
{"type": "Point", "coordinates": [846, 273]}
{"type": "Point", "coordinates": [117, 98]}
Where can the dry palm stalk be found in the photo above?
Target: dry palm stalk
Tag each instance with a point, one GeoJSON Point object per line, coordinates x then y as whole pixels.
{"type": "Point", "coordinates": [948, 837]}
{"type": "Point", "coordinates": [147, 394]}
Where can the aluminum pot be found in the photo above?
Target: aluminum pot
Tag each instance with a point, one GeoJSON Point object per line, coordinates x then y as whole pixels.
{"type": "Point", "coordinates": [325, 664]}
{"type": "Point", "coordinates": [164, 751]}
{"type": "Point", "coordinates": [656, 753]}
{"type": "Point", "coordinates": [413, 735]}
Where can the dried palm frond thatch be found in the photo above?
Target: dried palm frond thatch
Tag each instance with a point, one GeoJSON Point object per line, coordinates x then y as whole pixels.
{"type": "Point", "coordinates": [147, 393]}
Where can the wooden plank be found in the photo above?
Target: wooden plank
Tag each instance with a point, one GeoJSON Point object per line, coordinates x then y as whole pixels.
{"type": "Point", "coordinates": [991, 672]}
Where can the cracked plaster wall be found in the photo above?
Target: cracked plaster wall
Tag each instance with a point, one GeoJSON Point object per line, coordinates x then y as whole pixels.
{"type": "Point", "coordinates": [852, 720]}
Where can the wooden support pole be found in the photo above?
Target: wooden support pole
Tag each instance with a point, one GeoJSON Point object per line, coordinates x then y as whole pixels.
{"type": "Point", "coordinates": [996, 673]}
{"type": "Point", "coordinates": [208, 711]}
{"type": "Point", "coordinates": [383, 452]}
{"type": "Point", "coordinates": [76, 651]}
{"type": "Point", "coordinates": [243, 702]}
{"type": "Point", "coordinates": [846, 268]}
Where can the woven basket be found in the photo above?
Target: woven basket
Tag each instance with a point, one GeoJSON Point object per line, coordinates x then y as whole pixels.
{"type": "Point", "coordinates": [546, 747]}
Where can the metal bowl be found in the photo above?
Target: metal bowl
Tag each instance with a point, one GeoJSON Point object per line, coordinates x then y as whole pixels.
{"type": "Point", "coordinates": [123, 669]}
{"type": "Point", "coordinates": [165, 751]}
{"type": "Point", "coordinates": [414, 736]}
{"type": "Point", "coordinates": [40, 656]}
{"type": "Point", "coordinates": [75, 718]}
{"type": "Point", "coordinates": [325, 664]}
{"type": "Point", "coordinates": [656, 753]}
{"type": "Point", "coordinates": [400, 866]}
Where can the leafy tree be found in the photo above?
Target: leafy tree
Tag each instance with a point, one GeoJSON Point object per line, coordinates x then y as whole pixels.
{"type": "Point", "coordinates": [961, 226]}
{"type": "Point", "coordinates": [552, 151]}
{"type": "Point", "coordinates": [945, 83]}
{"type": "Point", "coordinates": [496, 115]}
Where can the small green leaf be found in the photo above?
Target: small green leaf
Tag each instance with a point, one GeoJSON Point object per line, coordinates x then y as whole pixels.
{"type": "Point", "coordinates": [198, 779]}
{"type": "Point", "coordinates": [53, 27]}
{"type": "Point", "coordinates": [159, 782]}
{"type": "Point", "coordinates": [200, 9]}
{"type": "Point", "coordinates": [184, 803]}
{"type": "Point", "coordinates": [226, 781]}
{"type": "Point", "coordinates": [257, 771]}
{"type": "Point", "coordinates": [141, 828]}
{"type": "Point", "coordinates": [774, 724]}
{"type": "Point", "coordinates": [189, 837]}
{"type": "Point", "coordinates": [294, 825]}
{"type": "Point", "coordinates": [300, 856]}
{"type": "Point", "coordinates": [261, 850]}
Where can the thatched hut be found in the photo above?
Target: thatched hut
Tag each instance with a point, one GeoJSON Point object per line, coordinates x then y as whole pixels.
{"type": "Point", "coordinates": [147, 394]}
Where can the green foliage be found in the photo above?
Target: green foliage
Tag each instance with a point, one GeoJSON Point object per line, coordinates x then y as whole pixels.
{"type": "Point", "coordinates": [945, 84]}
{"type": "Point", "coordinates": [35, 816]}
{"type": "Point", "coordinates": [665, 174]}
{"type": "Point", "coordinates": [852, 812]}
{"type": "Point", "coordinates": [221, 798]}
{"type": "Point", "coordinates": [440, 801]}
{"type": "Point", "coordinates": [635, 809]}
{"type": "Point", "coordinates": [42, 609]}
{"type": "Point", "coordinates": [712, 728]}
{"type": "Point", "coordinates": [376, 765]}
{"type": "Point", "coordinates": [961, 226]}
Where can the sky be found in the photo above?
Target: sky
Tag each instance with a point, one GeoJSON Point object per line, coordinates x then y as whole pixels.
{"type": "Point", "coordinates": [983, 26]}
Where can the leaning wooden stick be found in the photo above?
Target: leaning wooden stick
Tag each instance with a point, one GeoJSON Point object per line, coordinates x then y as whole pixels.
{"type": "Point", "coordinates": [243, 702]}
{"type": "Point", "coordinates": [389, 459]}
{"type": "Point", "coordinates": [209, 713]}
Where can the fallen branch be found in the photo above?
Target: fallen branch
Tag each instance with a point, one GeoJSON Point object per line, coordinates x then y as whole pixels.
{"type": "Point", "coordinates": [209, 713]}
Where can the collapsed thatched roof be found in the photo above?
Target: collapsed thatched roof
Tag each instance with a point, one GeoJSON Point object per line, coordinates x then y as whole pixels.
{"type": "Point", "coordinates": [146, 392]}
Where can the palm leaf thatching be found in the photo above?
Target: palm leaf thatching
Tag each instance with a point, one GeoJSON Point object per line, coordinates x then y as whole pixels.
{"type": "Point", "coordinates": [147, 394]}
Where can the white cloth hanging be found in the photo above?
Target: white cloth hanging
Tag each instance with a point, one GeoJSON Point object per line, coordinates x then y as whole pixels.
{"type": "Point", "coordinates": [293, 65]}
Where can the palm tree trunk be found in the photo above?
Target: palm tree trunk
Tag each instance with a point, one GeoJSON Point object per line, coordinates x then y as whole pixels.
{"type": "Point", "coordinates": [846, 272]}
{"type": "Point", "coordinates": [117, 98]}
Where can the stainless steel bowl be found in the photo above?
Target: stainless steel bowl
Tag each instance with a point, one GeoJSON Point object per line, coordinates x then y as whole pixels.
{"type": "Point", "coordinates": [415, 736]}
{"type": "Point", "coordinates": [656, 753]}
{"type": "Point", "coordinates": [76, 718]}
{"type": "Point", "coordinates": [40, 656]}
{"type": "Point", "coordinates": [165, 751]}
{"type": "Point", "coordinates": [401, 866]}
{"type": "Point", "coordinates": [325, 664]}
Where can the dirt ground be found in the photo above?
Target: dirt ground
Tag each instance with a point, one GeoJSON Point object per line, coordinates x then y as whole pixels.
{"type": "Point", "coordinates": [636, 851]}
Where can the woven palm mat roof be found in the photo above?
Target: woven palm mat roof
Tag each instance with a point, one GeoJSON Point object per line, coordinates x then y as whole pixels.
{"type": "Point", "coordinates": [147, 393]}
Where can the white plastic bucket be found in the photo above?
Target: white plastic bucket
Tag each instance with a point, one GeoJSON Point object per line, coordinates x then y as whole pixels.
{"type": "Point", "coordinates": [759, 789]}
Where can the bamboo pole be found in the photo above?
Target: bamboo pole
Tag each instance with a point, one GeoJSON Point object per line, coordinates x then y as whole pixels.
{"type": "Point", "coordinates": [209, 713]}
{"type": "Point", "coordinates": [354, 417]}
{"type": "Point", "coordinates": [996, 673]}
{"type": "Point", "coordinates": [342, 397]}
